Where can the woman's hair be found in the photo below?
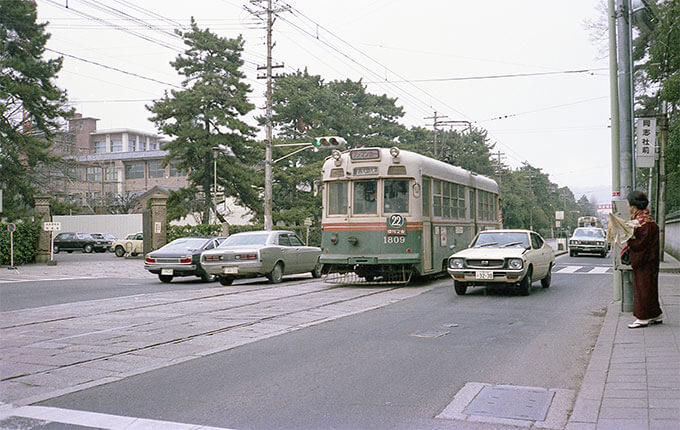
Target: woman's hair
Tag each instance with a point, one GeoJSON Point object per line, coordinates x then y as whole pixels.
{"type": "Point", "coordinates": [638, 199]}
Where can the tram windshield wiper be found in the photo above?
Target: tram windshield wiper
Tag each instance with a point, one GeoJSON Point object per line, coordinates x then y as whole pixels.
{"type": "Point", "coordinates": [511, 244]}
{"type": "Point", "coordinates": [486, 244]}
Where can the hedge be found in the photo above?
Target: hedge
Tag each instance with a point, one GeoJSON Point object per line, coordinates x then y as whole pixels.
{"type": "Point", "coordinates": [26, 239]}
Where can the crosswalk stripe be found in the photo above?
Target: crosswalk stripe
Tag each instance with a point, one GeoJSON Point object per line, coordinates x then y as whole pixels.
{"type": "Point", "coordinates": [569, 269]}
{"type": "Point", "coordinates": [597, 270]}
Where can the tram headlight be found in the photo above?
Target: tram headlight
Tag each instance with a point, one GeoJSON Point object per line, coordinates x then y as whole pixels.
{"type": "Point", "coordinates": [394, 151]}
{"type": "Point", "coordinates": [336, 154]}
{"type": "Point", "coordinates": [515, 263]}
{"type": "Point", "coordinates": [456, 263]}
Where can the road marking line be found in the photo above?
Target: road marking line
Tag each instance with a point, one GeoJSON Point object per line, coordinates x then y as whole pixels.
{"type": "Point", "coordinates": [569, 269]}
{"type": "Point", "coordinates": [95, 419]}
{"type": "Point", "coordinates": [69, 278]}
{"type": "Point", "coordinates": [596, 270]}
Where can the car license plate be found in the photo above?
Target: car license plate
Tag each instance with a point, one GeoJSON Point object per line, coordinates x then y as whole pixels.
{"type": "Point", "coordinates": [230, 270]}
{"type": "Point", "coordinates": [166, 272]}
{"type": "Point", "coordinates": [483, 274]}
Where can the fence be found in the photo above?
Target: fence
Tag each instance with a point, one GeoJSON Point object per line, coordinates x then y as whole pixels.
{"type": "Point", "coordinates": [672, 238]}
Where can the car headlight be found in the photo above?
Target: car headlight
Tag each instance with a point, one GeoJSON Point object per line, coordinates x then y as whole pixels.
{"type": "Point", "coordinates": [456, 263]}
{"type": "Point", "coordinates": [600, 243]}
{"type": "Point", "coordinates": [515, 263]}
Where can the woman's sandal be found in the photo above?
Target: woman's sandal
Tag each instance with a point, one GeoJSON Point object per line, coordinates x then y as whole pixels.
{"type": "Point", "coordinates": [637, 324]}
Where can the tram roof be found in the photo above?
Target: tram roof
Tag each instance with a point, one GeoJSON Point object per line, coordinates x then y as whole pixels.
{"type": "Point", "coordinates": [431, 167]}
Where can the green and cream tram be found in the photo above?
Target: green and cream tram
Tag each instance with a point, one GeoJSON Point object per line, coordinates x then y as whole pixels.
{"type": "Point", "coordinates": [390, 214]}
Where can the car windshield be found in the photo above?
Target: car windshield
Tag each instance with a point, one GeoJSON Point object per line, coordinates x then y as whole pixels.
{"type": "Point", "coordinates": [84, 236]}
{"type": "Point", "coordinates": [97, 235]}
{"type": "Point", "coordinates": [184, 243]}
{"type": "Point", "coordinates": [131, 236]}
{"type": "Point", "coordinates": [245, 239]}
{"type": "Point", "coordinates": [589, 232]}
{"type": "Point", "coordinates": [501, 240]}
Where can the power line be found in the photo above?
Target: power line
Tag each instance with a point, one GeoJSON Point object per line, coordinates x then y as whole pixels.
{"type": "Point", "coordinates": [516, 75]}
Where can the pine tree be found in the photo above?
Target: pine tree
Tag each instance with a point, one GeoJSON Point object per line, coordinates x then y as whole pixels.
{"type": "Point", "coordinates": [208, 112]}
{"type": "Point", "coordinates": [30, 103]}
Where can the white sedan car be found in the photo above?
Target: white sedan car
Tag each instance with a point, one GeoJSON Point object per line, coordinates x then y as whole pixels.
{"type": "Point", "coordinates": [503, 258]}
{"type": "Point", "coordinates": [261, 253]}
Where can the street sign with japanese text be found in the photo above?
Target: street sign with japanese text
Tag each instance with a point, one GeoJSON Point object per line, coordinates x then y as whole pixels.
{"type": "Point", "coordinates": [52, 226]}
{"type": "Point", "coordinates": [645, 142]}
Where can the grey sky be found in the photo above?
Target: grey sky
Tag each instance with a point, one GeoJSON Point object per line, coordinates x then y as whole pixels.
{"type": "Point", "coordinates": [433, 55]}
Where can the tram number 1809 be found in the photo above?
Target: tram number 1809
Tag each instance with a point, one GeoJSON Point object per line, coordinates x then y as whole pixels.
{"type": "Point", "coordinates": [394, 239]}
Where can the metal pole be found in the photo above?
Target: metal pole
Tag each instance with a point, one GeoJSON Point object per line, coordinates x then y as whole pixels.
{"type": "Point", "coordinates": [661, 202]}
{"type": "Point", "coordinates": [625, 92]}
{"type": "Point", "coordinates": [11, 249]}
{"type": "Point", "coordinates": [614, 125]}
{"type": "Point", "coordinates": [268, 224]}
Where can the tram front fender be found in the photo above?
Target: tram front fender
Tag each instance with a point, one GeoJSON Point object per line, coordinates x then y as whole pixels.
{"type": "Point", "coordinates": [411, 258]}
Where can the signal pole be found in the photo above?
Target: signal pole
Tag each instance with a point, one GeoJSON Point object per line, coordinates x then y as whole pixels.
{"type": "Point", "coordinates": [270, 12]}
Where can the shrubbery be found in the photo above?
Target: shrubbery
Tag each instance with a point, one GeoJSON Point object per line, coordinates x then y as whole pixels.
{"type": "Point", "coordinates": [25, 243]}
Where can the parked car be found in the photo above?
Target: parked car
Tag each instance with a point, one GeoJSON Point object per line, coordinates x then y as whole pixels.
{"type": "Point", "coordinates": [71, 241]}
{"type": "Point", "coordinates": [588, 240]}
{"type": "Point", "coordinates": [261, 253]}
{"type": "Point", "coordinates": [503, 258]}
{"type": "Point", "coordinates": [181, 257]}
{"type": "Point", "coordinates": [102, 242]}
{"type": "Point", "coordinates": [133, 244]}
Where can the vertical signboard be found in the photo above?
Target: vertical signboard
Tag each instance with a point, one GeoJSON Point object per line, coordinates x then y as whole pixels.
{"type": "Point", "coordinates": [645, 145]}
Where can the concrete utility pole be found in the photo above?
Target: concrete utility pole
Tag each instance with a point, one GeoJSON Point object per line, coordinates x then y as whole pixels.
{"type": "Point", "coordinates": [270, 12]}
{"type": "Point", "coordinates": [625, 91]}
{"type": "Point", "coordinates": [614, 124]}
{"type": "Point", "coordinates": [661, 190]}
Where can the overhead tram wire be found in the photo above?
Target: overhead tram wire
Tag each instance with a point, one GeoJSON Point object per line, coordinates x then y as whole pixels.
{"type": "Point", "coordinates": [112, 10]}
{"type": "Point", "coordinates": [515, 75]}
{"type": "Point", "coordinates": [413, 98]}
{"type": "Point", "coordinates": [381, 65]}
{"type": "Point", "coordinates": [116, 26]}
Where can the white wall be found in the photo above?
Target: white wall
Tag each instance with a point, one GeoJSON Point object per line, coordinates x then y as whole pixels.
{"type": "Point", "coordinates": [118, 225]}
{"type": "Point", "coordinates": [672, 238]}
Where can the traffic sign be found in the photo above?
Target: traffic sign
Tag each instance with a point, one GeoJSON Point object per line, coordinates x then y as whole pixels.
{"type": "Point", "coordinates": [11, 228]}
{"type": "Point", "coordinates": [308, 222]}
{"type": "Point", "coordinates": [52, 226]}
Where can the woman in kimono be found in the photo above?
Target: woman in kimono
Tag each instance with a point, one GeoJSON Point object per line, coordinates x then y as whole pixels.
{"type": "Point", "coordinates": [644, 258]}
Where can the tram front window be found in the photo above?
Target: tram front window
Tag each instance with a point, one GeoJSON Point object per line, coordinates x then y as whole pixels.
{"type": "Point", "coordinates": [364, 201]}
{"type": "Point", "coordinates": [396, 196]}
{"type": "Point", "coordinates": [337, 198]}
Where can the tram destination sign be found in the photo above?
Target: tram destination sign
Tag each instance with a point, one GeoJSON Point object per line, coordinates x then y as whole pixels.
{"type": "Point", "coordinates": [396, 225]}
{"type": "Point", "coordinates": [364, 154]}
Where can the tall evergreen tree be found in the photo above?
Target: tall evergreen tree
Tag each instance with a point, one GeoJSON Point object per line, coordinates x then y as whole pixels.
{"type": "Point", "coordinates": [30, 103]}
{"type": "Point", "coordinates": [208, 112]}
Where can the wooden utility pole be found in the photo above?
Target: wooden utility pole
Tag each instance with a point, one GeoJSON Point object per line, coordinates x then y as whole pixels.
{"type": "Point", "coordinates": [435, 123]}
{"type": "Point", "coordinates": [270, 12]}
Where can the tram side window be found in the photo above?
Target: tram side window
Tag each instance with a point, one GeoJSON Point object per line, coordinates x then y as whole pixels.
{"type": "Point", "coordinates": [364, 201]}
{"type": "Point", "coordinates": [426, 197]}
{"type": "Point", "coordinates": [446, 200]}
{"type": "Point", "coordinates": [396, 195]}
{"type": "Point", "coordinates": [487, 205]}
{"type": "Point", "coordinates": [337, 198]}
{"type": "Point", "coordinates": [437, 197]}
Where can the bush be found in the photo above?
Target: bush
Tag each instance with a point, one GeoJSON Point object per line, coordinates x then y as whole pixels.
{"type": "Point", "coordinates": [25, 243]}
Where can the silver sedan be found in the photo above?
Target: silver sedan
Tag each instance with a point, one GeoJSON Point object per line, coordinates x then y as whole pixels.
{"type": "Point", "coordinates": [261, 253]}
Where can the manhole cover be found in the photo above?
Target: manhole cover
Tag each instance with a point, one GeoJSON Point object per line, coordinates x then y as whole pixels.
{"type": "Point", "coordinates": [511, 402]}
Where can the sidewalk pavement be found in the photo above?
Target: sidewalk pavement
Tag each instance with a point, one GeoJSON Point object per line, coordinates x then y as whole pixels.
{"type": "Point", "coordinates": [633, 378]}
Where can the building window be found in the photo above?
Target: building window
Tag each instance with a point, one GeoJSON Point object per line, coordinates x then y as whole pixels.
{"type": "Point", "coordinates": [176, 171]}
{"type": "Point", "coordinates": [132, 143]}
{"type": "Point", "coordinates": [93, 174]}
{"type": "Point", "coordinates": [134, 171]}
{"type": "Point", "coordinates": [140, 144]}
{"type": "Point", "coordinates": [100, 147]}
{"type": "Point", "coordinates": [111, 174]}
{"type": "Point", "coordinates": [152, 145]}
{"type": "Point", "coordinates": [156, 169]}
{"type": "Point", "coordinates": [116, 145]}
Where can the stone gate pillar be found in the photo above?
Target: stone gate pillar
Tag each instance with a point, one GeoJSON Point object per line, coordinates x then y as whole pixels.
{"type": "Point", "coordinates": [159, 219]}
{"type": "Point", "coordinates": [42, 214]}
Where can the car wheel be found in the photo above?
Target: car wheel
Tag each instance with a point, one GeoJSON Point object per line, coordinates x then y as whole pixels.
{"type": "Point", "coordinates": [165, 278]}
{"type": "Point", "coordinates": [276, 274]}
{"type": "Point", "coordinates": [226, 280]}
{"type": "Point", "coordinates": [571, 253]}
{"type": "Point", "coordinates": [55, 249]}
{"type": "Point", "coordinates": [460, 288]}
{"type": "Point", "coordinates": [207, 277]}
{"type": "Point", "coordinates": [545, 282]}
{"type": "Point", "coordinates": [525, 284]}
{"type": "Point", "coordinates": [119, 251]}
{"type": "Point", "coordinates": [316, 272]}
{"type": "Point", "coordinates": [603, 254]}
{"type": "Point", "coordinates": [88, 248]}
{"type": "Point", "coordinates": [70, 251]}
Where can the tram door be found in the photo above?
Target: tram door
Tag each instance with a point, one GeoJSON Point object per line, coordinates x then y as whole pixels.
{"type": "Point", "coordinates": [473, 211]}
{"type": "Point", "coordinates": [427, 225]}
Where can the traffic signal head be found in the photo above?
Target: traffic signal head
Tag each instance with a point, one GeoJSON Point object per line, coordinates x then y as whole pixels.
{"type": "Point", "coordinates": [329, 142]}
